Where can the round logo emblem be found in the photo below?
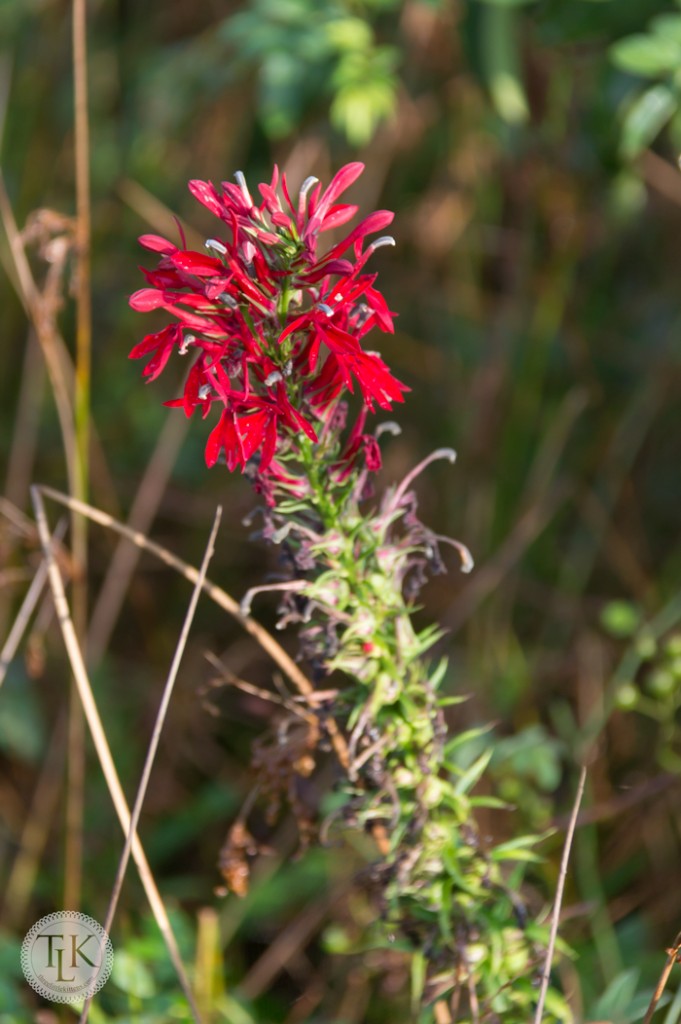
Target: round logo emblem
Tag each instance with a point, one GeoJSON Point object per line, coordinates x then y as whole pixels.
{"type": "Point", "coordinates": [66, 957]}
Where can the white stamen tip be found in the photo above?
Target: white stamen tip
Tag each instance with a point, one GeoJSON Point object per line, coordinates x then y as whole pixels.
{"type": "Point", "coordinates": [212, 243]}
{"type": "Point", "coordinates": [383, 240]}
{"type": "Point", "coordinates": [307, 185]}
{"type": "Point", "coordinates": [187, 340]}
{"type": "Point", "coordinates": [325, 309]}
{"type": "Point", "coordinates": [389, 427]}
{"type": "Point", "coordinates": [241, 181]}
{"type": "Point", "coordinates": [467, 564]}
{"type": "Point", "coordinates": [273, 378]}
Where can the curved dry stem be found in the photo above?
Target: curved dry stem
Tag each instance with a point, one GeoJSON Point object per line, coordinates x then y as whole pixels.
{"type": "Point", "coordinates": [54, 351]}
{"type": "Point", "coordinates": [155, 737]}
{"type": "Point", "coordinates": [546, 972]}
{"type": "Point", "coordinates": [24, 614]}
{"type": "Point", "coordinates": [125, 557]}
{"type": "Point", "coordinates": [102, 748]}
{"type": "Point", "coordinates": [268, 643]}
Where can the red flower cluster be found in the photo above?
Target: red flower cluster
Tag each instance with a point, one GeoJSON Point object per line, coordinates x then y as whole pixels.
{"type": "Point", "coordinates": [276, 328]}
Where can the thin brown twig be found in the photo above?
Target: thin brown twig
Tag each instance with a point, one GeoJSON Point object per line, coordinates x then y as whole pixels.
{"type": "Point", "coordinates": [24, 614]}
{"type": "Point", "coordinates": [51, 343]}
{"type": "Point", "coordinates": [101, 745]}
{"type": "Point", "coordinates": [673, 956]}
{"type": "Point", "coordinates": [22, 523]}
{"type": "Point", "coordinates": [217, 594]}
{"type": "Point", "coordinates": [125, 557]}
{"type": "Point", "coordinates": [256, 691]}
{"type": "Point", "coordinates": [75, 795]}
{"type": "Point", "coordinates": [569, 835]}
{"type": "Point", "coordinates": [156, 736]}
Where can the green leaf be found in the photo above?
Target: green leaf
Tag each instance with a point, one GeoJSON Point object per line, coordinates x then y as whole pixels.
{"type": "Point", "coordinates": [493, 802]}
{"type": "Point", "coordinates": [518, 848]}
{"type": "Point", "coordinates": [439, 674]}
{"type": "Point", "coordinates": [473, 774]}
{"type": "Point", "coordinates": [418, 980]}
{"type": "Point", "coordinates": [527, 856]}
{"type": "Point", "coordinates": [621, 618]}
{"type": "Point", "coordinates": [349, 34]}
{"type": "Point", "coordinates": [643, 121]}
{"type": "Point", "coordinates": [448, 702]}
{"type": "Point", "coordinates": [501, 60]}
{"type": "Point", "coordinates": [615, 1003]}
{"type": "Point", "coordinates": [667, 26]}
{"type": "Point", "coordinates": [467, 736]}
{"type": "Point", "coordinates": [131, 975]}
{"type": "Point", "coordinates": [646, 54]}
{"type": "Point", "coordinates": [22, 729]}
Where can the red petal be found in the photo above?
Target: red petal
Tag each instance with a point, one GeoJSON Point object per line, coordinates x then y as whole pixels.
{"type": "Point", "coordinates": [147, 299]}
{"type": "Point", "coordinates": [251, 431]}
{"type": "Point", "coordinates": [374, 222]}
{"type": "Point", "coordinates": [216, 441]}
{"type": "Point", "coordinates": [198, 264]}
{"type": "Point", "coordinates": [343, 179]}
{"type": "Point", "coordinates": [157, 244]}
{"type": "Point", "coordinates": [270, 445]}
{"type": "Point", "coordinates": [338, 215]}
{"type": "Point", "coordinates": [207, 194]}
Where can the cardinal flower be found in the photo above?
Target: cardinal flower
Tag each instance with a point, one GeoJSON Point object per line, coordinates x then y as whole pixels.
{"type": "Point", "coordinates": [273, 326]}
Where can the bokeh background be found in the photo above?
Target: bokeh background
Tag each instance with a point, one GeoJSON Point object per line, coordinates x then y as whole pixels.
{"type": "Point", "coordinates": [529, 150]}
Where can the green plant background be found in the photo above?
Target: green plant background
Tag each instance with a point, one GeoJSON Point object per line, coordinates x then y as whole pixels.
{"type": "Point", "coordinates": [530, 153]}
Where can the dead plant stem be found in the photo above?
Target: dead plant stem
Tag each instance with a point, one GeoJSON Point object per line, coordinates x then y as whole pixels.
{"type": "Point", "coordinates": [155, 737]}
{"type": "Point", "coordinates": [75, 795]}
{"type": "Point", "coordinates": [275, 651]}
{"type": "Point", "coordinates": [101, 745]}
{"type": "Point", "coordinates": [555, 915]}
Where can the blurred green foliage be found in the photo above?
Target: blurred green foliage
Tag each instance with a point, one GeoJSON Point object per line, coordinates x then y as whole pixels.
{"type": "Point", "coordinates": [305, 53]}
{"type": "Point", "coordinates": [530, 152]}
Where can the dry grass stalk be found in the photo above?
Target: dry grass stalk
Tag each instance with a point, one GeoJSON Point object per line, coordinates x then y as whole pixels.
{"type": "Point", "coordinates": [555, 915]}
{"type": "Point", "coordinates": [102, 748]}
{"type": "Point", "coordinates": [75, 797]}
{"type": "Point", "coordinates": [673, 957]}
{"type": "Point", "coordinates": [155, 737]}
{"type": "Point", "coordinates": [125, 557]}
{"type": "Point", "coordinates": [268, 643]}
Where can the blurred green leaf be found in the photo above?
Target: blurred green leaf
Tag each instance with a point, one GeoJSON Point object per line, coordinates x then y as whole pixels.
{"type": "Point", "coordinates": [620, 1003]}
{"type": "Point", "coordinates": [647, 55]}
{"type": "Point", "coordinates": [620, 618]}
{"type": "Point", "coordinates": [532, 754]}
{"type": "Point", "coordinates": [471, 776]}
{"type": "Point", "coordinates": [646, 118]}
{"type": "Point", "coordinates": [22, 729]}
{"type": "Point", "coordinates": [418, 980]}
{"type": "Point", "coordinates": [132, 975]}
{"type": "Point", "coordinates": [501, 60]}
{"type": "Point", "coordinates": [519, 849]}
{"type": "Point", "coordinates": [365, 91]}
{"type": "Point", "coordinates": [667, 26]}
{"type": "Point", "coordinates": [349, 34]}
